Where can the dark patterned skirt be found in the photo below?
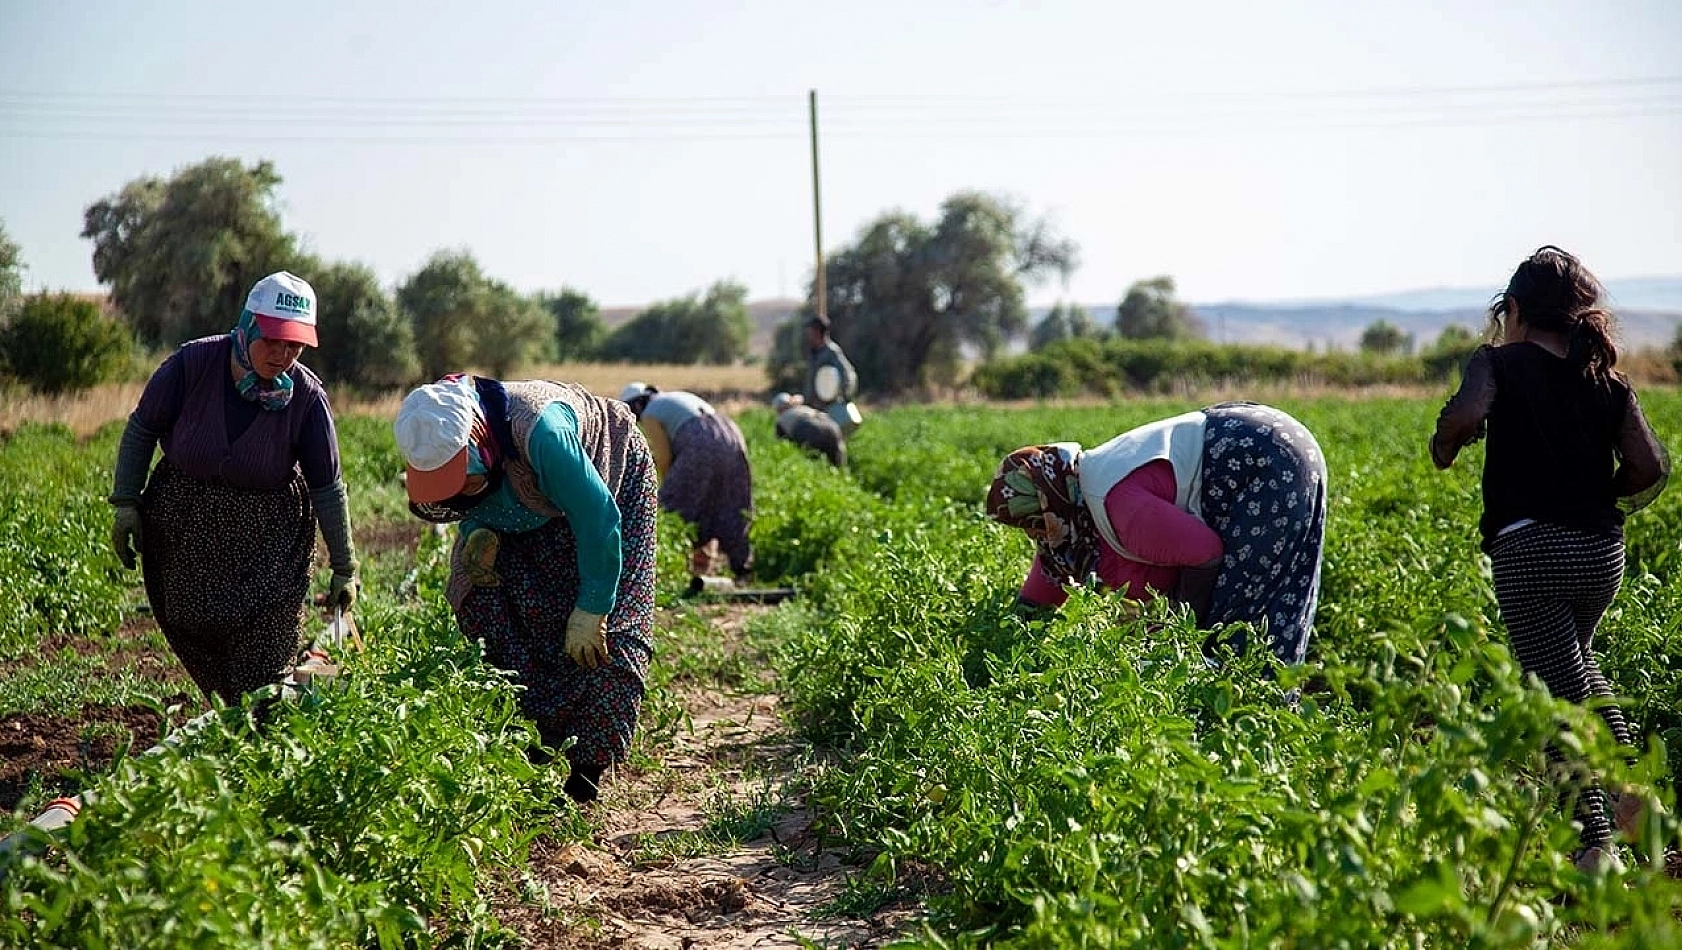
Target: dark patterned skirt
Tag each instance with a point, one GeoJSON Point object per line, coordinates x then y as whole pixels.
{"type": "Point", "coordinates": [710, 486]}
{"type": "Point", "coordinates": [227, 571]}
{"type": "Point", "coordinates": [523, 624]}
{"type": "Point", "coordinates": [1264, 493]}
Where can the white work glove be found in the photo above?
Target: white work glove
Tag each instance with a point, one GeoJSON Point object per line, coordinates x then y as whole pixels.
{"type": "Point", "coordinates": [587, 639]}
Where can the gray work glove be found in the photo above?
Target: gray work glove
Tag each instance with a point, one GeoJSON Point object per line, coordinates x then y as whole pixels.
{"type": "Point", "coordinates": [125, 533]}
{"type": "Point", "coordinates": [344, 590]}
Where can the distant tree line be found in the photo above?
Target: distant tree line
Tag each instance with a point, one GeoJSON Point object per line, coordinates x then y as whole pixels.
{"type": "Point", "coordinates": [179, 254]}
{"type": "Point", "coordinates": [912, 301]}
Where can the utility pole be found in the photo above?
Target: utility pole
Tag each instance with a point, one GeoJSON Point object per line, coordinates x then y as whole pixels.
{"type": "Point", "coordinates": [822, 294]}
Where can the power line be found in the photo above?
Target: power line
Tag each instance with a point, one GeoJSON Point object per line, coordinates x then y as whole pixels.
{"type": "Point", "coordinates": [777, 100]}
{"type": "Point", "coordinates": [421, 121]}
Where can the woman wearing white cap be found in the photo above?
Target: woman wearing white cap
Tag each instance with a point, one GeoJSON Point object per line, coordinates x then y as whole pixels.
{"type": "Point", "coordinates": [704, 473]}
{"type": "Point", "coordinates": [553, 567]}
{"type": "Point", "coordinates": [225, 526]}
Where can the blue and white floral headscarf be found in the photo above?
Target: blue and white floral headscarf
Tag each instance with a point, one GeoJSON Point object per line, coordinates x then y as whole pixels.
{"type": "Point", "coordinates": [274, 394]}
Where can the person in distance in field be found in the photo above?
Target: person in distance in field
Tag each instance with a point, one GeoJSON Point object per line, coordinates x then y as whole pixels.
{"type": "Point", "coordinates": [225, 526]}
{"type": "Point", "coordinates": [831, 382]}
{"type": "Point", "coordinates": [704, 474]}
{"type": "Point", "coordinates": [1223, 509]}
{"type": "Point", "coordinates": [1569, 454]}
{"type": "Point", "coordinates": [553, 564]}
{"type": "Point", "coordinates": [809, 428]}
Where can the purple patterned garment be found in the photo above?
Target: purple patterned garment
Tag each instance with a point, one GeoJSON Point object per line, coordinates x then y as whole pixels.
{"type": "Point", "coordinates": [710, 486]}
{"type": "Point", "coordinates": [523, 624]}
{"type": "Point", "coordinates": [186, 401]}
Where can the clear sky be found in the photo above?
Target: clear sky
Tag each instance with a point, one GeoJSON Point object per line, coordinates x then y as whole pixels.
{"type": "Point", "coordinates": [641, 150]}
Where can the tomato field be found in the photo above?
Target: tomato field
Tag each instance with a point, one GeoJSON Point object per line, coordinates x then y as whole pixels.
{"type": "Point", "coordinates": [1080, 779]}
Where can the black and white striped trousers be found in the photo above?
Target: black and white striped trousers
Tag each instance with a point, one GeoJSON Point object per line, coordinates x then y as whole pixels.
{"type": "Point", "coordinates": [1553, 584]}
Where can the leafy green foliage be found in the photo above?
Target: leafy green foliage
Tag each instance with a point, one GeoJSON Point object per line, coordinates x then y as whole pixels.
{"type": "Point", "coordinates": [1386, 338]}
{"type": "Point", "coordinates": [444, 301]}
{"type": "Point", "coordinates": [1065, 321]}
{"type": "Point", "coordinates": [511, 331]}
{"type": "Point", "coordinates": [365, 341]}
{"type": "Point", "coordinates": [1152, 311]}
{"type": "Point", "coordinates": [907, 296]}
{"type": "Point", "coordinates": [59, 343]}
{"type": "Point", "coordinates": [1075, 778]}
{"type": "Point", "coordinates": [712, 328]}
{"type": "Point", "coordinates": [1112, 367]}
{"type": "Point", "coordinates": [11, 273]}
{"type": "Point", "coordinates": [61, 577]}
{"type": "Point", "coordinates": [360, 817]}
{"type": "Point", "coordinates": [1087, 779]}
{"type": "Point", "coordinates": [181, 254]}
{"type": "Point", "coordinates": [578, 323]}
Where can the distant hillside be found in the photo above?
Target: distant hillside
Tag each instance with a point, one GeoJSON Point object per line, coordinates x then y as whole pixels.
{"type": "Point", "coordinates": [1662, 294]}
{"type": "Point", "coordinates": [1338, 325]}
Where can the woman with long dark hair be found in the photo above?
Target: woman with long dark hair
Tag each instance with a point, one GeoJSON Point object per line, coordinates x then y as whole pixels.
{"type": "Point", "coordinates": [1569, 455]}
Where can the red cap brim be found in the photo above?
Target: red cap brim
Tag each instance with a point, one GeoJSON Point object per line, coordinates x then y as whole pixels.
{"type": "Point", "coordinates": [442, 482]}
{"type": "Point", "coordinates": [291, 331]}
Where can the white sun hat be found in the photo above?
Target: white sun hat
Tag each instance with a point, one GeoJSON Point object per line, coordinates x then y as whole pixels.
{"type": "Point", "coordinates": [434, 426]}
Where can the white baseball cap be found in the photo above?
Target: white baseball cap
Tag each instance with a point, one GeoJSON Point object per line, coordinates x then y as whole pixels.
{"type": "Point", "coordinates": [781, 401]}
{"type": "Point", "coordinates": [434, 426]}
{"type": "Point", "coordinates": [284, 305]}
{"type": "Point", "coordinates": [634, 391]}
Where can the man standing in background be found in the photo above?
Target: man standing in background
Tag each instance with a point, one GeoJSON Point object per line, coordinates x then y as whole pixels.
{"type": "Point", "coordinates": [831, 382]}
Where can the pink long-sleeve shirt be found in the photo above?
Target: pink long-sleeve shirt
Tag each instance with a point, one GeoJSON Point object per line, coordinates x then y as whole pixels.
{"type": "Point", "coordinates": [1141, 509]}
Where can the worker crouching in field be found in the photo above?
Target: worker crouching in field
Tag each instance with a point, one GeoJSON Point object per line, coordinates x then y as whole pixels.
{"type": "Point", "coordinates": [553, 566]}
{"type": "Point", "coordinates": [704, 474]}
{"type": "Point", "coordinates": [225, 527]}
{"type": "Point", "coordinates": [1223, 509]}
{"type": "Point", "coordinates": [809, 428]}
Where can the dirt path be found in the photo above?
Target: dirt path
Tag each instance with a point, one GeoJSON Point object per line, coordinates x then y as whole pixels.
{"type": "Point", "coordinates": [641, 884]}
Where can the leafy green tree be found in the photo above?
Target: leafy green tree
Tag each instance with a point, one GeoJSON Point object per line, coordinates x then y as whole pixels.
{"type": "Point", "coordinates": [11, 273]}
{"type": "Point", "coordinates": [785, 365]}
{"type": "Point", "coordinates": [1385, 338]}
{"type": "Point", "coordinates": [907, 297]}
{"type": "Point", "coordinates": [181, 254]}
{"type": "Point", "coordinates": [365, 340]}
{"type": "Point", "coordinates": [60, 343]}
{"type": "Point", "coordinates": [443, 302]}
{"type": "Point", "coordinates": [712, 328]}
{"type": "Point", "coordinates": [1448, 354]}
{"type": "Point", "coordinates": [511, 330]}
{"type": "Point", "coordinates": [1151, 310]}
{"type": "Point", "coordinates": [578, 323]}
{"type": "Point", "coordinates": [1065, 322]}
{"type": "Point", "coordinates": [1455, 336]}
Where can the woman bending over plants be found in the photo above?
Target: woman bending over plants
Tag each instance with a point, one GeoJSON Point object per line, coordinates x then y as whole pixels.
{"type": "Point", "coordinates": [553, 566]}
{"type": "Point", "coordinates": [1223, 509]}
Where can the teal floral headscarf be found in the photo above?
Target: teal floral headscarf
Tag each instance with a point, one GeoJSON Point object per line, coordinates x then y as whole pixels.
{"type": "Point", "coordinates": [272, 395]}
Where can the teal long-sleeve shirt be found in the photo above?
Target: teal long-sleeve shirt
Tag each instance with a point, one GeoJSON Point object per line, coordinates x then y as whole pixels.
{"type": "Point", "coordinates": [572, 484]}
